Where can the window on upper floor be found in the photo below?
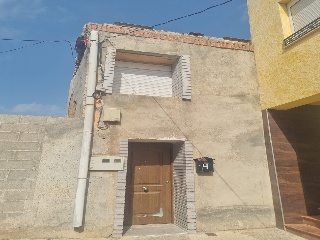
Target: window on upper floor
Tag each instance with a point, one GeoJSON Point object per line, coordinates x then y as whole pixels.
{"type": "Point", "coordinates": [303, 12]}
{"type": "Point", "coordinates": [149, 75]}
{"type": "Point", "coordinates": [142, 79]}
{"type": "Point", "coordinates": [304, 18]}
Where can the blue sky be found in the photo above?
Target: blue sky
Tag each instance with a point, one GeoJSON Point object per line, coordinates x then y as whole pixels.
{"type": "Point", "coordinates": [35, 80]}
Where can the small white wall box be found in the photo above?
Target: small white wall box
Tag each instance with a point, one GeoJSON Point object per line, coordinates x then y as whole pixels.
{"type": "Point", "coordinates": [111, 114]}
{"type": "Point", "coordinates": [105, 163]}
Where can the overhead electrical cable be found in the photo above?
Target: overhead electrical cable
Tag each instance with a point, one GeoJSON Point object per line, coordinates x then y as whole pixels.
{"type": "Point", "coordinates": [36, 42]}
{"type": "Point", "coordinates": [192, 14]}
{"type": "Point", "coordinates": [178, 18]}
{"type": "Point", "coordinates": [18, 48]}
{"type": "Point", "coordinates": [67, 41]}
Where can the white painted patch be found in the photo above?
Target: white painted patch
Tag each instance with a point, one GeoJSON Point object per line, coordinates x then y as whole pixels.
{"type": "Point", "coordinates": [159, 214]}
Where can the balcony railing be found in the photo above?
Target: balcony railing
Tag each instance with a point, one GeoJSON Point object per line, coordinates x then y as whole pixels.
{"type": "Point", "coordinates": [301, 33]}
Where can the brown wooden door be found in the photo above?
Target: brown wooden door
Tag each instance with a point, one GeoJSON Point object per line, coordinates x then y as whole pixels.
{"type": "Point", "coordinates": [149, 187]}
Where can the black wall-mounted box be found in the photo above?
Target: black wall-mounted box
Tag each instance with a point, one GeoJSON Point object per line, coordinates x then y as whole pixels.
{"type": "Point", "coordinates": [204, 164]}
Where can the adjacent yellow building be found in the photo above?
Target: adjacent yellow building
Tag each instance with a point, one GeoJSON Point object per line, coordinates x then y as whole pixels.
{"type": "Point", "coordinates": [286, 38]}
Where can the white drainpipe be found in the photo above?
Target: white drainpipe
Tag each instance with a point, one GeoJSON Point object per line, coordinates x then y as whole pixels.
{"type": "Point", "coordinates": [87, 131]}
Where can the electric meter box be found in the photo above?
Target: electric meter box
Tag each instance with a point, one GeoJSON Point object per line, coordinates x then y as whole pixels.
{"type": "Point", "coordinates": [111, 114]}
{"type": "Point", "coordinates": [106, 163]}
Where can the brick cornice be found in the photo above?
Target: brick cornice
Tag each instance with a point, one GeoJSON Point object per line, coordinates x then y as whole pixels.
{"type": "Point", "coordinates": [171, 36]}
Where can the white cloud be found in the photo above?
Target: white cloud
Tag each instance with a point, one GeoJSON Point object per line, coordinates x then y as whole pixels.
{"type": "Point", "coordinates": [21, 9]}
{"type": "Point", "coordinates": [34, 109]}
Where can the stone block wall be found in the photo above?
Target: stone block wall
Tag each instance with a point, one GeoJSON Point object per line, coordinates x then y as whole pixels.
{"type": "Point", "coordinates": [21, 139]}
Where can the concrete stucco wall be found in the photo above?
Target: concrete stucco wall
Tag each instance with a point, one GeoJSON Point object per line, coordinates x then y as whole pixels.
{"type": "Point", "coordinates": [222, 120]}
{"type": "Point", "coordinates": [287, 77]}
{"type": "Point", "coordinates": [39, 201]}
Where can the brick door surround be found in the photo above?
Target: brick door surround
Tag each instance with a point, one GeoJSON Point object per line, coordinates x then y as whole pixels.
{"type": "Point", "coordinates": [183, 188]}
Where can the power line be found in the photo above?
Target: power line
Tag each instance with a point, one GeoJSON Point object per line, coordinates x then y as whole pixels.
{"type": "Point", "coordinates": [18, 48]}
{"type": "Point", "coordinates": [36, 43]}
{"type": "Point", "coordinates": [192, 14]}
{"type": "Point", "coordinates": [71, 48]}
{"type": "Point", "coordinates": [179, 18]}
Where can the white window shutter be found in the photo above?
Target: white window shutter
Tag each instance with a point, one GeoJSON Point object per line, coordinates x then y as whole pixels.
{"type": "Point", "coordinates": [109, 69]}
{"type": "Point", "coordinates": [303, 12]}
{"type": "Point", "coordinates": [142, 79]}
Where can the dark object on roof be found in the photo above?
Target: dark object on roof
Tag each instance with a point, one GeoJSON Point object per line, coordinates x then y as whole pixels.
{"type": "Point", "coordinates": [132, 25]}
{"type": "Point", "coordinates": [80, 45]}
{"type": "Point", "coordinates": [236, 39]}
{"type": "Point", "coordinates": [196, 34]}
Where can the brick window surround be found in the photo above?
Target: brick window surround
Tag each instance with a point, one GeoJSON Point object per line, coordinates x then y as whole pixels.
{"type": "Point", "coordinates": [181, 76]}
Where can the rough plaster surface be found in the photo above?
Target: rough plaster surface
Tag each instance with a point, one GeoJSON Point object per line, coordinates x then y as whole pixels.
{"type": "Point", "coordinates": [77, 90]}
{"type": "Point", "coordinates": [223, 121]}
{"type": "Point", "coordinates": [39, 201]}
{"type": "Point", "coordinates": [287, 77]}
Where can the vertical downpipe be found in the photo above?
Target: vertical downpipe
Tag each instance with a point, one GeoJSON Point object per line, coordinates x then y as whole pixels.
{"type": "Point", "coordinates": [87, 131]}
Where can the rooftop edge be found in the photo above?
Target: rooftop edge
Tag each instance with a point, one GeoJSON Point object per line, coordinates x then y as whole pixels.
{"type": "Point", "coordinates": [233, 43]}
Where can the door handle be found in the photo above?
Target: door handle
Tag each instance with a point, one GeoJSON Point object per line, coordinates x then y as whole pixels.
{"type": "Point", "coordinates": [145, 189]}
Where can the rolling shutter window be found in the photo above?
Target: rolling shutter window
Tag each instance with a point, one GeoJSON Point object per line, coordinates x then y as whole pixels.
{"type": "Point", "coordinates": [303, 12]}
{"type": "Point", "coordinates": [142, 79]}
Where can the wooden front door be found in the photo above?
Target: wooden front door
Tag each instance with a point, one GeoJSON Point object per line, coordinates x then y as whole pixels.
{"type": "Point", "coordinates": [149, 185]}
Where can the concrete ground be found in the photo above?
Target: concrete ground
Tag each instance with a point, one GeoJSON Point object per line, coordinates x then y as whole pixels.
{"type": "Point", "coordinates": [253, 234]}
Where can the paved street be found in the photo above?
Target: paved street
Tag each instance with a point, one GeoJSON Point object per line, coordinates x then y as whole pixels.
{"type": "Point", "coordinates": [256, 234]}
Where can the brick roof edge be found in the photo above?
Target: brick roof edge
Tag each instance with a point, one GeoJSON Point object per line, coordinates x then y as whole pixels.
{"type": "Point", "coordinates": [172, 36]}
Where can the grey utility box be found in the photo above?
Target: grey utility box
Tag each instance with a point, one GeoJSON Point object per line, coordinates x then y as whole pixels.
{"type": "Point", "coordinates": [105, 163]}
{"type": "Point", "coordinates": [111, 114]}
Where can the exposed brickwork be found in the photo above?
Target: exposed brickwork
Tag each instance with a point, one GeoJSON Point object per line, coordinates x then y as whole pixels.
{"type": "Point", "coordinates": [179, 187]}
{"type": "Point", "coordinates": [183, 187]}
{"type": "Point", "coordinates": [171, 36]}
{"type": "Point", "coordinates": [109, 69]}
{"type": "Point", "coordinates": [120, 194]}
{"type": "Point", "coordinates": [190, 192]}
{"type": "Point", "coordinates": [181, 78]}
